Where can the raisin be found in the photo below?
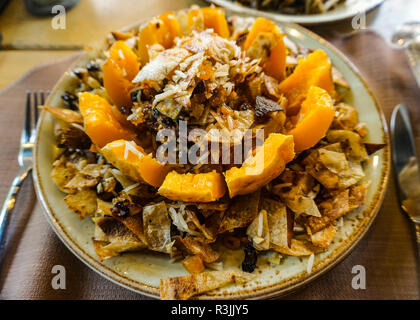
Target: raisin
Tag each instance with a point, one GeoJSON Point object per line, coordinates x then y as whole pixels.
{"type": "Point", "coordinates": [135, 95]}
{"type": "Point", "coordinates": [250, 260]}
{"type": "Point", "coordinates": [70, 100]}
{"type": "Point", "coordinates": [168, 121]}
{"type": "Point", "coordinates": [199, 88]}
{"type": "Point", "coordinates": [121, 209]}
{"type": "Point", "coordinates": [263, 106]}
{"type": "Point", "coordinates": [91, 67]}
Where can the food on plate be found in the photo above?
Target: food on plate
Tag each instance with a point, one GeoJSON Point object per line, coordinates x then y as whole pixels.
{"type": "Point", "coordinates": [194, 134]}
{"type": "Point", "coordinates": [182, 288]}
{"type": "Point", "coordinates": [293, 6]}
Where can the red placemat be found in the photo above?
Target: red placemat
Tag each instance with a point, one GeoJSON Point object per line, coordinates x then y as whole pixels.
{"type": "Point", "coordinates": [387, 252]}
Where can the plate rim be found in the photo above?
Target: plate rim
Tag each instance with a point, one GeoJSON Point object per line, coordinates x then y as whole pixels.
{"type": "Point", "coordinates": [265, 292]}
{"type": "Point", "coordinates": [306, 20]}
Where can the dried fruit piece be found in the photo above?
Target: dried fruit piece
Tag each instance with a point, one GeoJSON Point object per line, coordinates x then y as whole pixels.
{"type": "Point", "coordinates": [250, 260]}
{"type": "Point", "coordinates": [263, 106]}
{"type": "Point", "coordinates": [201, 187]}
{"type": "Point", "coordinates": [269, 161]}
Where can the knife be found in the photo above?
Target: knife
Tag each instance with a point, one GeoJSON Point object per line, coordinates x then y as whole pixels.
{"type": "Point", "coordinates": [406, 166]}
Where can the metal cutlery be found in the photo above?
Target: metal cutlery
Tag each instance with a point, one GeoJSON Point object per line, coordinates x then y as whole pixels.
{"type": "Point", "coordinates": [27, 141]}
{"type": "Point", "coordinates": [406, 167]}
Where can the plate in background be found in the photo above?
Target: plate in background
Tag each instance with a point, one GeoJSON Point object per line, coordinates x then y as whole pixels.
{"type": "Point", "coordinates": [344, 11]}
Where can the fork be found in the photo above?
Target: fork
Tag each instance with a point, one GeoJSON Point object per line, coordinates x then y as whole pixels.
{"type": "Point", "coordinates": [27, 141]}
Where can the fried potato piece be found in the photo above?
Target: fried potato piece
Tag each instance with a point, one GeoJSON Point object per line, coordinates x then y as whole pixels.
{"type": "Point", "coordinates": [336, 207]}
{"type": "Point", "coordinates": [324, 237]}
{"type": "Point", "coordinates": [157, 227]}
{"type": "Point", "coordinates": [103, 208]}
{"type": "Point", "coordinates": [197, 246]}
{"type": "Point", "coordinates": [193, 264]}
{"type": "Point", "coordinates": [329, 166]}
{"type": "Point", "coordinates": [112, 237]}
{"type": "Point", "coordinates": [241, 212]}
{"type": "Point", "coordinates": [66, 115]}
{"type": "Point", "coordinates": [355, 149]}
{"type": "Point", "coordinates": [135, 225]}
{"type": "Point", "coordinates": [346, 117]}
{"type": "Point", "coordinates": [298, 248]}
{"type": "Point", "coordinates": [296, 190]}
{"type": "Point", "coordinates": [81, 181]}
{"type": "Point", "coordinates": [106, 250]}
{"type": "Point", "coordinates": [183, 288]}
{"type": "Point", "coordinates": [280, 222]}
{"type": "Point", "coordinates": [259, 231]}
{"type": "Point", "coordinates": [62, 173]}
{"type": "Point", "coordinates": [83, 202]}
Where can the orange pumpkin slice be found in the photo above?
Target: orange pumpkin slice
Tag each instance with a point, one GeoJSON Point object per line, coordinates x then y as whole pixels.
{"type": "Point", "coordinates": [156, 31]}
{"type": "Point", "coordinates": [258, 170]}
{"type": "Point", "coordinates": [134, 163]}
{"type": "Point", "coordinates": [259, 25]}
{"type": "Point", "coordinates": [276, 63]}
{"type": "Point", "coordinates": [172, 25]}
{"type": "Point", "coordinates": [99, 121]}
{"type": "Point", "coordinates": [118, 71]}
{"type": "Point", "coordinates": [314, 119]}
{"type": "Point", "coordinates": [195, 20]}
{"type": "Point", "coordinates": [215, 19]}
{"type": "Point", "coordinates": [200, 187]}
{"type": "Point", "coordinates": [315, 70]}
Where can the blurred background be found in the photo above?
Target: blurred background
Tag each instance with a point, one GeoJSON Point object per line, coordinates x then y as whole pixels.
{"type": "Point", "coordinates": [28, 39]}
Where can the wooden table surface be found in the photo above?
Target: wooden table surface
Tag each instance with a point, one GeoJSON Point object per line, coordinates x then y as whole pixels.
{"type": "Point", "coordinates": [27, 41]}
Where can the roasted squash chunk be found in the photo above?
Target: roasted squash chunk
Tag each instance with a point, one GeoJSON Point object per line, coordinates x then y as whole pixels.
{"type": "Point", "coordinates": [172, 25]}
{"type": "Point", "coordinates": [259, 25]}
{"type": "Point", "coordinates": [275, 66]}
{"type": "Point", "coordinates": [195, 20]}
{"type": "Point", "coordinates": [315, 70]}
{"type": "Point", "coordinates": [118, 71]}
{"type": "Point", "coordinates": [276, 63]}
{"type": "Point", "coordinates": [156, 31]}
{"type": "Point", "coordinates": [200, 187]}
{"type": "Point", "coordinates": [314, 119]}
{"type": "Point", "coordinates": [215, 18]}
{"type": "Point", "coordinates": [133, 162]}
{"type": "Point", "coordinates": [258, 170]}
{"type": "Point", "coordinates": [99, 121]}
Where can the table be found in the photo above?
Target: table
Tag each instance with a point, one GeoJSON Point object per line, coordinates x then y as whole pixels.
{"type": "Point", "coordinates": [20, 30]}
{"type": "Point", "coordinates": [29, 41]}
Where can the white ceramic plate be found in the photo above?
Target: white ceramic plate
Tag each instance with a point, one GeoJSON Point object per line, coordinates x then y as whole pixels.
{"type": "Point", "coordinates": [142, 271]}
{"type": "Point", "coordinates": [343, 11]}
